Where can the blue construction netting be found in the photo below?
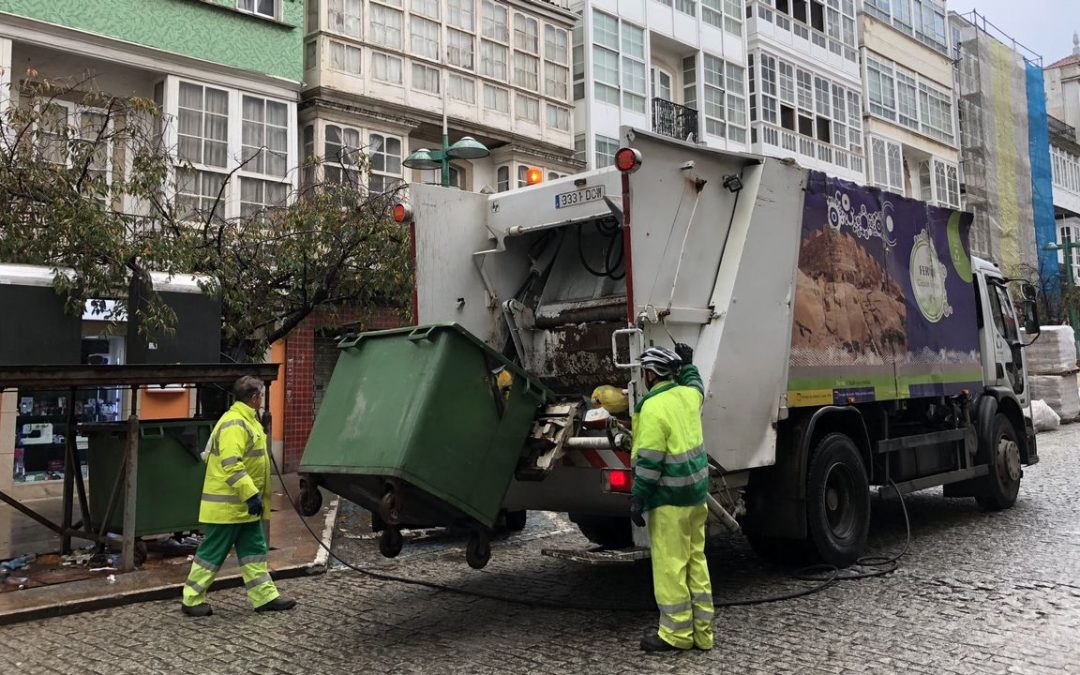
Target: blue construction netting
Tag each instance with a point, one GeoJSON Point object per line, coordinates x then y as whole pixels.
{"type": "Point", "coordinates": [1042, 196]}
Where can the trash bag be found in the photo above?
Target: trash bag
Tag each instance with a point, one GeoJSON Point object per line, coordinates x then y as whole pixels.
{"type": "Point", "coordinates": [612, 399]}
{"type": "Point", "coordinates": [1043, 416]}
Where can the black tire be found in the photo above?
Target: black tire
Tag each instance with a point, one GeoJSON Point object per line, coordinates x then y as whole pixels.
{"type": "Point", "coordinates": [478, 552]}
{"type": "Point", "coordinates": [515, 520]}
{"type": "Point", "coordinates": [1002, 454]}
{"type": "Point", "coordinates": [390, 508]}
{"type": "Point", "coordinates": [607, 531]}
{"type": "Point", "coordinates": [390, 542]}
{"type": "Point", "coordinates": [310, 501]}
{"type": "Point", "coordinates": [837, 501]}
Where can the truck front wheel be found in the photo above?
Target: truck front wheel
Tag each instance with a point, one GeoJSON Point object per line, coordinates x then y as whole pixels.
{"type": "Point", "coordinates": [1000, 487]}
{"type": "Point", "coordinates": [837, 500]}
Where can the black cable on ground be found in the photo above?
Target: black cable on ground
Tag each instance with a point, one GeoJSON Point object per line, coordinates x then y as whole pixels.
{"type": "Point", "coordinates": [886, 565]}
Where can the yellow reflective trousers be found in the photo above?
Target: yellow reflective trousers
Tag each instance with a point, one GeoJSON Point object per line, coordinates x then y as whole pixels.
{"type": "Point", "coordinates": [681, 575]}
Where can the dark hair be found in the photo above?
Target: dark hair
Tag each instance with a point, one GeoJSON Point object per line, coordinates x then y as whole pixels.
{"type": "Point", "coordinates": [246, 387]}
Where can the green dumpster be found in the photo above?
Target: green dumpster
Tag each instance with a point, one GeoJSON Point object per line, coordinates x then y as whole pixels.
{"type": "Point", "coordinates": [423, 426]}
{"type": "Point", "coordinates": [170, 474]}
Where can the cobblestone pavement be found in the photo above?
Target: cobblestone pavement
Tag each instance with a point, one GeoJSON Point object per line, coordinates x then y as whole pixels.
{"type": "Point", "coordinates": [977, 593]}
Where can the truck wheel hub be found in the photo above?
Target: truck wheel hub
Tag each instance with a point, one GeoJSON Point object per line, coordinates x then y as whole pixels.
{"type": "Point", "coordinates": [839, 491]}
{"type": "Point", "coordinates": [1008, 458]}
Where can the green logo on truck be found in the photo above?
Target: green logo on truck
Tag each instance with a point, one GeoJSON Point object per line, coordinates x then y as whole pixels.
{"type": "Point", "coordinates": [928, 279]}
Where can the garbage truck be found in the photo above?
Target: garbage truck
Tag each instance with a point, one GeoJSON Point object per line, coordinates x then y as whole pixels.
{"type": "Point", "coordinates": [846, 337]}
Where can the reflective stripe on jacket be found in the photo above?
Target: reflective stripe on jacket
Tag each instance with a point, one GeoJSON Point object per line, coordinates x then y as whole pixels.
{"type": "Point", "coordinates": [237, 468]}
{"type": "Point", "coordinates": [670, 463]}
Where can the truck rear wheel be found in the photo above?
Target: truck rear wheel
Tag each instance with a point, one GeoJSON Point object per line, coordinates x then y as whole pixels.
{"type": "Point", "coordinates": [837, 500]}
{"type": "Point", "coordinates": [1000, 487]}
{"type": "Point", "coordinates": [607, 531]}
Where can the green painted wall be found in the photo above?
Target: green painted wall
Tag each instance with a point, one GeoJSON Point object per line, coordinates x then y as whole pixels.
{"type": "Point", "coordinates": [191, 27]}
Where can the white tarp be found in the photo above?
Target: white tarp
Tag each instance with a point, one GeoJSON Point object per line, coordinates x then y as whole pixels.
{"type": "Point", "coordinates": [1053, 353]}
{"type": "Point", "coordinates": [1059, 392]}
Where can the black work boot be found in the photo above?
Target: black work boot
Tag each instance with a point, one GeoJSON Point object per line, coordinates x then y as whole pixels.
{"type": "Point", "coordinates": [197, 610]}
{"type": "Point", "coordinates": [278, 604]}
{"type": "Point", "coordinates": [654, 643]}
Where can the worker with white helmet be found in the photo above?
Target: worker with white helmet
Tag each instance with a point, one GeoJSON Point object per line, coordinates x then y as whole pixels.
{"type": "Point", "coordinates": [671, 482]}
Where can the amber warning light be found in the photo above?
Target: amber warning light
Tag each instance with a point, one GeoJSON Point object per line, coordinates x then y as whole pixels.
{"type": "Point", "coordinates": [628, 160]}
{"type": "Point", "coordinates": [402, 213]}
{"type": "Point", "coordinates": [533, 176]}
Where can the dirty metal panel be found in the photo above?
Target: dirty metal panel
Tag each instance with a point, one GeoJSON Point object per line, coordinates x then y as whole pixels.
{"type": "Point", "coordinates": [575, 359]}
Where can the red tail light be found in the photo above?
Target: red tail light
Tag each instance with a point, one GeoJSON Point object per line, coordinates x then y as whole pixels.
{"type": "Point", "coordinates": [628, 160]}
{"type": "Point", "coordinates": [618, 480]}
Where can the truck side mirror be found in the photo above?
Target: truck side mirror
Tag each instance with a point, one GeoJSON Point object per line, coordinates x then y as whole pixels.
{"type": "Point", "coordinates": [1030, 308]}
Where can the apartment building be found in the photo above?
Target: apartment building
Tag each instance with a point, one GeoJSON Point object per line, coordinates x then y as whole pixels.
{"type": "Point", "coordinates": [1063, 105]}
{"type": "Point", "coordinates": [380, 76]}
{"type": "Point", "coordinates": [676, 67]}
{"type": "Point", "coordinates": [806, 84]}
{"type": "Point", "coordinates": [226, 73]}
{"type": "Point", "coordinates": [912, 144]}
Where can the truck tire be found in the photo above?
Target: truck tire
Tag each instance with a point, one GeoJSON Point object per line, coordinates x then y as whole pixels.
{"type": "Point", "coordinates": [607, 531]}
{"type": "Point", "coordinates": [1000, 487]}
{"type": "Point", "coordinates": [837, 500]}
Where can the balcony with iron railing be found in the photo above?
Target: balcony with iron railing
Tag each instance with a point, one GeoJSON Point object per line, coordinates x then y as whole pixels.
{"type": "Point", "coordinates": [674, 120]}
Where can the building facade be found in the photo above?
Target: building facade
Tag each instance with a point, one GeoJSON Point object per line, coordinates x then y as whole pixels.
{"type": "Point", "coordinates": [806, 84]}
{"type": "Point", "coordinates": [227, 74]}
{"type": "Point", "coordinates": [676, 67]}
{"type": "Point", "coordinates": [1005, 155]}
{"type": "Point", "coordinates": [1063, 106]}
{"type": "Point", "coordinates": [380, 75]}
{"type": "Point", "coordinates": [911, 128]}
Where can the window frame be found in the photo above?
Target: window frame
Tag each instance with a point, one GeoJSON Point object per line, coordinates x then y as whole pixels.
{"type": "Point", "coordinates": [254, 9]}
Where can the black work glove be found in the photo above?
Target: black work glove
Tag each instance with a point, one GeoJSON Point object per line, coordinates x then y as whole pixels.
{"type": "Point", "coordinates": [684, 352]}
{"type": "Point", "coordinates": [255, 505]}
{"type": "Point", "coordinates": [637, 507]}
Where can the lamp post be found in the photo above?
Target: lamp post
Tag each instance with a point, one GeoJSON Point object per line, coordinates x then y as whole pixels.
{"type": "Point", "coordinates": [1066, 248]}
{"type": "Point", "coordinates": [466, 147]}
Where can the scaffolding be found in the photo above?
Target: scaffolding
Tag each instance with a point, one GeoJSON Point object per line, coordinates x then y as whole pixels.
{"type": "Point", "coordinates": [991, 86]}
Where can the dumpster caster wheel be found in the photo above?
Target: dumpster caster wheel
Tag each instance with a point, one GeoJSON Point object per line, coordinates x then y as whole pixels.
{"type": "Point", "coordinates": [390, 508]}
{"type": "Point", "coordinates": [310, 501]}
{"type": "Point", "coordinates": [140, 553]}
{"type": "Point", "coordinates": [478, 552]}
{"type": "Point", "coordinates": [390, 542]}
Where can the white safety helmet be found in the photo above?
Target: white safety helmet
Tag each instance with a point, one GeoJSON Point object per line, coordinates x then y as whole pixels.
{"type": "Point", "coordinates": [661, 361]}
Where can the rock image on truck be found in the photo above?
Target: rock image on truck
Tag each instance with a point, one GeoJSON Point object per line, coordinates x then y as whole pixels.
{"type": "Point", "coordinates": [846, 337]}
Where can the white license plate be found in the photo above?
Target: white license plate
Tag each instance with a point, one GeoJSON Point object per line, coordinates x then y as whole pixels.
{"type": "Point", "coordinates": [579, 197]}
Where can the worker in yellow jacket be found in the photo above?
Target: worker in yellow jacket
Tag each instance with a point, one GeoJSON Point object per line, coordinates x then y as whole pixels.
{"type": "Point", "coordinates": [235, 502]}
{"type": "Point", "coordinates": [671, 483]}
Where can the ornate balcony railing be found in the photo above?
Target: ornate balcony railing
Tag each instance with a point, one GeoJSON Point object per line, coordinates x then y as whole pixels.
{"type": "Point", "coordinates": [674, 120]}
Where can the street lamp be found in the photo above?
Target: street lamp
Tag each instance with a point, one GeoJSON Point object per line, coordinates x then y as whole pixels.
{"type": "Point", "coordinates": [466, 147]}
{"type": "Point", "coordinates": [1066, 247]}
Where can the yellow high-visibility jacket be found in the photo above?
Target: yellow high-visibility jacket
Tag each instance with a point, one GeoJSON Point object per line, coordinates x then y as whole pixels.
{"type": "Point", "coordinates": [671, 467]}
{"type": "Point", "coordinates": [237, 468]}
